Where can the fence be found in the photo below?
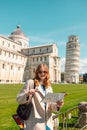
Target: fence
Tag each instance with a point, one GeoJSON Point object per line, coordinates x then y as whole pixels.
{"type": "Point", "coordinates": [69, 120]}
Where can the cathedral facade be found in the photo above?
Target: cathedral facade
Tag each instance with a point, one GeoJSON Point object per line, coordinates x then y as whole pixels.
{"type": "Point", "coordinates": [18, 60]}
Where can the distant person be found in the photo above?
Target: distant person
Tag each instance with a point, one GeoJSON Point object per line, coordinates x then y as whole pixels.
{"type": "Point", "coordinates": [41, 113]}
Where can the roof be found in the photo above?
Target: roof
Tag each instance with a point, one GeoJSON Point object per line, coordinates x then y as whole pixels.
{"type": "Point", "coordinates": [18, 31]}
{"type": "Point", "coordinates": [39, 46]}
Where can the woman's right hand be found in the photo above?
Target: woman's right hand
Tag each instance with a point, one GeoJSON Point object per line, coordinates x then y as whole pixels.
{"type": "Point", "coordinates": [32, 91]}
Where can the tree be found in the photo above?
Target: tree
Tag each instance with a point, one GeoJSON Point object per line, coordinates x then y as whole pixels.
{"type": "Point", "coordinates": [85, 77]}
{"type": "Point", "coordinates": [62, 77]}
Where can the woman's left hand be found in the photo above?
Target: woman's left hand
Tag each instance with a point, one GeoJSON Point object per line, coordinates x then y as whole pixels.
{"type": "Point", "coordinates": [60, 103]}
{"type": "Point", "coordinates": [56, 106]}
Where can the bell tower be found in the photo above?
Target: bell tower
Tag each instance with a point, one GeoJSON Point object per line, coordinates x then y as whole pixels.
{"type": "Point", "coordinates": [72, 60]}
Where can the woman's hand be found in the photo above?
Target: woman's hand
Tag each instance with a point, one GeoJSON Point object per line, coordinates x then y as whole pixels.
{"type": "Point", "coordinates": [56, 106]}
{"type": "Point", "coordinates": [32, 91]}
{"type": "Point", "coordinates": [60, 104]}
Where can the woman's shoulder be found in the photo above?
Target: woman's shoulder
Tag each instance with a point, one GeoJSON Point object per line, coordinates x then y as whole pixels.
{"type": "Point", "coordinates": [30, 82]}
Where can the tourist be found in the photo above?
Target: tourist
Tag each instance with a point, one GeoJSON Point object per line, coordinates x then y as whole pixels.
{"type": "Point", "coordinates": [41, 113]}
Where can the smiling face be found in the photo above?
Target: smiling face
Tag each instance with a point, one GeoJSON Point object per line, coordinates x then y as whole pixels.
{"type": "Point", "coordinates": [42, 73]}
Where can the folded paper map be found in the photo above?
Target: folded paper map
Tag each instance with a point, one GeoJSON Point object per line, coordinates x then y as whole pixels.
{"type": "Point", "coordinates": [53, 97]}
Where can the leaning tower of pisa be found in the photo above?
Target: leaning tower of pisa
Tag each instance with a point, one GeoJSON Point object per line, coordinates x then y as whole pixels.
{"type": "Point", "coordinates": [72, 60]}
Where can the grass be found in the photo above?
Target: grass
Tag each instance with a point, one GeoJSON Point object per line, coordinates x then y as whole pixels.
{"type": "Point", "coordinates": [75, 94]}
{"type": "Point", "coordinates": [8, 106]}
{"type": "Point", "coordinates": [8, 92]}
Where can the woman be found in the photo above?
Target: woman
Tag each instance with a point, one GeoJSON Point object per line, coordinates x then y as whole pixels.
{"type": "Point", "coordinates": [41, 113]}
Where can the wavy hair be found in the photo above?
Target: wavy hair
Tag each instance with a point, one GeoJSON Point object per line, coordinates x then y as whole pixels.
{"type": "Point", "coordinates": [46, 82]}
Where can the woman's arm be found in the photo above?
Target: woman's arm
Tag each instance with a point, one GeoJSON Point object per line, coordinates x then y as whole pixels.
{"type": "Point", "coordinates": [24, 94]}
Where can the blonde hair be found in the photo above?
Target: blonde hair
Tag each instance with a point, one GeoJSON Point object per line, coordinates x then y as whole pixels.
{"type": "Point", "coordinates": [47, 79]}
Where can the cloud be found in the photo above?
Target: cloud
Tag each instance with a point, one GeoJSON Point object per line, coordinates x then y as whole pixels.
{"type": "Point", "coordinates": [62, 64]}
{"type": "Point", "coordinates": [83, 65]}
{"type": "Point", "coordinates": [67, 30]}
{"type": "Point", "coordinates": [50, 37]}
{"type": "Point", "coordinates": [83, 45]}
{"type": "Point", "coordinates": [39, 40]}
{"type": "Point", "coordinates": [61, 43]}
{"type": "Point", "coordinates": [35, 40]}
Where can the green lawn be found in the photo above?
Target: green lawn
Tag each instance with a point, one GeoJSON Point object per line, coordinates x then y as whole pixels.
{"type": "Point", "coordinates": [75, 94]}
{"type": "Point", "coordinates": [8, 106]}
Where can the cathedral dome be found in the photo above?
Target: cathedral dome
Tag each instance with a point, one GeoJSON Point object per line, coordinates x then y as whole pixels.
{"type": "Point", "coordinates": [18, 36]}
{"type": "Point", "coordinates": [18, 31]}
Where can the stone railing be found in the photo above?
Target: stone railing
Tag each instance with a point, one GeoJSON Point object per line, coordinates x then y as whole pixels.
{"type": "Point", "coordinates": [82, 114]}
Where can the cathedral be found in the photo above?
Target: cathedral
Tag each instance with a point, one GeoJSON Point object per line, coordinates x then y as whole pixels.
{"type": "Point", "coordinates": [18, 60]}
